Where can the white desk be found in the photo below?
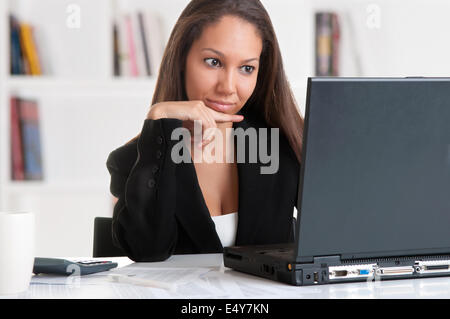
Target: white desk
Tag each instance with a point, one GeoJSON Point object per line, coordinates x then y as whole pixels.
{"type": "Point", "coordinates": [216, 281]}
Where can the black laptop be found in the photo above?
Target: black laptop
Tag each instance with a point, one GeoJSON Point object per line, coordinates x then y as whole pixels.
{"type": "Point", "coordinates": [374, 193]}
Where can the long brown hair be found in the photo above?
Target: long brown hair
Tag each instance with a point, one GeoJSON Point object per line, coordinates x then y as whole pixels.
{"type": "Point", "coordinates": [272, 99]}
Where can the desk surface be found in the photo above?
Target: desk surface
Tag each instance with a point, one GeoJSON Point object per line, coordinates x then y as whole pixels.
{"type": "Point", "coordinates": [210, 279]}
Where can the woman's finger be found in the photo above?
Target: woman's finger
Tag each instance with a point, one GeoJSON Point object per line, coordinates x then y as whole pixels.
{"type": "Point", "coordinates": [223, 117]}
{"type": "Point", "coordinates": [208, 124]}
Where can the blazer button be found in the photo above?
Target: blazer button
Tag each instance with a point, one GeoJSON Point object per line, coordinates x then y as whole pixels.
{"type": "Point", "coordinates": [155, 169]}
{"type": "Point", "coordinates": [151, 183]}
{"type": "Point", "coordinates": [158, 154]}
{"type": "Point", "coordinates": [159, 140]}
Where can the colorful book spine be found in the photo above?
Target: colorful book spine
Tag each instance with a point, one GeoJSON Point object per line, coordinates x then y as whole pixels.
{"type": "Point", "coordinates": [116, 50]}
{"type": "Point", "coordinates": [29, 48]}
{"type": "Point", "coordinates": [144, 41]}
{"type": "Point", "coordinates": [323, 44]}
{"type": "Point", "coordinates": [16, 56]}
{"type": "Point", "coordinates": [327, 44]}
{"type": "Point", "coordinates": [124, 55]}
{"type": "Point", "coordinates": [131, 47]}
{"type": "Point", "coordinates": [17, 167]}
{"type": "Point", "coordinates": [31, 140]}
{"type": "Point", "coordinates": [140, 43]}
{"type": "Point", "coordinates": [336, 35]}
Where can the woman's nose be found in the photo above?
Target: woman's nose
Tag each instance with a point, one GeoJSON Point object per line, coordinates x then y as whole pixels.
{"type": "Point", "coordinates": [227, 83]}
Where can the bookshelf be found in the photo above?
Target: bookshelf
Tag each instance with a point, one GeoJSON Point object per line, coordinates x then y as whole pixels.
{"type": "Point", "coordinates": [86, 112]}
{"type": "Point", "coordinates": [82, 107]}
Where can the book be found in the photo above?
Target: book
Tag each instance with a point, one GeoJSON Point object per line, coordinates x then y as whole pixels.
{"type": "Point", "coordinates": [16, 56]}
{"type": "Point", "coordinates": [124, 56]}
{"type": "Point", "coordinates": [327, 39]}
{"type": "Point", "coordinates": [335, 40]}
{"type": "Point", "coordinates": [17, 167]}
{"type": "Point", "coordinates": [143, 33]}
{"type": "Point", "coordinates": [131, 46]}
{"type": "Point", "coordinates": [116, 56]}
{"type": "Point", "coordinates": [140, 43]}
{"type": "Point", "coordinates": [31, 139]}
{"type": "Point", "coordinates": [323, 44]}
{"type": "Point", "coordinates": [29, 48]}
{"type": "Point", "coordinates": [155, 40]}
{"type": "Point", "coordinates": [41, 39]}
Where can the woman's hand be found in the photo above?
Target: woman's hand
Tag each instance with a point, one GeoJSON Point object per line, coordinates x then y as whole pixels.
{"type": "Point", "coordinates": [190, 111]}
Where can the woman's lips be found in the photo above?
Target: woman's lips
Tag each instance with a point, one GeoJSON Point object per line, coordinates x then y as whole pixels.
{"type": "Point", "coordinates": [219, 106]}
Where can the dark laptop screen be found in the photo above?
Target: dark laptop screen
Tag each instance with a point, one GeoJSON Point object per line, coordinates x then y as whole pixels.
{"type": "Point", "coordinates": [376, 172]}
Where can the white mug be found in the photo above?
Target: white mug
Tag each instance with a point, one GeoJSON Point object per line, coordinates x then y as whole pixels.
{"type": "Point", "coordinates": [16, 251]}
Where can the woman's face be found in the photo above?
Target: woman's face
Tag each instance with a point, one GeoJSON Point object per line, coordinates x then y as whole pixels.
{"type": "Point", "coordinates": [222, 65]}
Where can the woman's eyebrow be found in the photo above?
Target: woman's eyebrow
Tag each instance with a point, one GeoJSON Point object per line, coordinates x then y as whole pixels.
{"type": "Point", "coordinates": [223, 55]}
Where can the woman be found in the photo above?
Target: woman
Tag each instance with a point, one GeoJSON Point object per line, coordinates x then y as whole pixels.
{"type": "Point", "coordinates": [222, 67]}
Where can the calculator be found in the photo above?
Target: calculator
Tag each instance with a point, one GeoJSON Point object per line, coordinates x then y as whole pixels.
{"type": "Point", "coordinates": [70, 267]}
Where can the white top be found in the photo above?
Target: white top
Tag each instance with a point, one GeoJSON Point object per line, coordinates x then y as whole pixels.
{"type": "Point", "coordinates": [226, 227]}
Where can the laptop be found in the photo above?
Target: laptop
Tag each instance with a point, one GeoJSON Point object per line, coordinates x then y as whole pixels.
{"type": "Point", "coordinates": [374, 187]}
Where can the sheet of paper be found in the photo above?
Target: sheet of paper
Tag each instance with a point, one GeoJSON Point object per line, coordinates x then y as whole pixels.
{"type": "Point", "coordinates": [46, 291]}
{"type": "Point", "coordinates": [49, 279]}
{"type": "Point", "coordinates": [187, 280]}
{"type": "Point", "coordinates": [190, 282]}
{"type": "Point", "coordinates": [224, 287]}
{"type": "Point", "coordinates": [256, 287]}
{"type": "Point", "coordinates": [168, 275]}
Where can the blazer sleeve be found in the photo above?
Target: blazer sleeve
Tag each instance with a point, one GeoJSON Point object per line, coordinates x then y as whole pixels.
{"type": "Point", "coordinates": [143, 180]}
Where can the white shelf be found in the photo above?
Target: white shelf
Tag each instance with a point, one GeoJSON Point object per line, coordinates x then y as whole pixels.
{"type": "Point", "coordinates": [63, 85]}
{"type": "Point", "coordinates": [42, 187]}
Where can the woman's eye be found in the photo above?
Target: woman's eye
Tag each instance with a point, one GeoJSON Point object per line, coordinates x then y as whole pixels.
{"type": "Point", "coordinates": [248, 69]}
{"type": "Point", "coordinates": [212, 62]}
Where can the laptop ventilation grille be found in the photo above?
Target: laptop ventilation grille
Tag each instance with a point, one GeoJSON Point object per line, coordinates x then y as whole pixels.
{"type": "Point", "coordinates": [391, 259]}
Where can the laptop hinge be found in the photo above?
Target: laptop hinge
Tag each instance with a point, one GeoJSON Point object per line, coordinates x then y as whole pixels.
{"type": "Point", "coordinates": [327, 260]}
{"type": "Point", "coordinates": [319, 260]}
{"type": "Point", "coordinates": [307, 259]}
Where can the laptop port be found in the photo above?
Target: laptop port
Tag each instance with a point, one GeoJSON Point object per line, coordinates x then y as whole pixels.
{"type": "Point", "coordinates": [340, 273]}
{"type": "Point", "coordinates": [436, 267]}
{"type": "Point", "coordinates": [268, 269]}
{"type": "Point", "coordinates": [432, 266]}
{"type": "Point", "coordinates": [350, 271]}
{"type": "Point", "coordinates": [316, 277]}
{"type": "Point", "coordinates": [395, 271]}
{"type": "Point", "coordinates": [364, 271]}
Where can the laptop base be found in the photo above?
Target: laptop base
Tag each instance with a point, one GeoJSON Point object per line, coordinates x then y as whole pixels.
{"type": "Point", "coordinates": [277, 262]}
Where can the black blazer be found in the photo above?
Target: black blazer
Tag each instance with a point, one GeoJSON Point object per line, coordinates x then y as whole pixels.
{"type": "Point", "coordinates": [161, 210]}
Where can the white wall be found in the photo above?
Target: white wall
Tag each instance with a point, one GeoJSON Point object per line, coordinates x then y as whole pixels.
{"type": "Point", "coordinates": [80, 127]}
{"type": "Point", "coordinates": [410, 40]}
